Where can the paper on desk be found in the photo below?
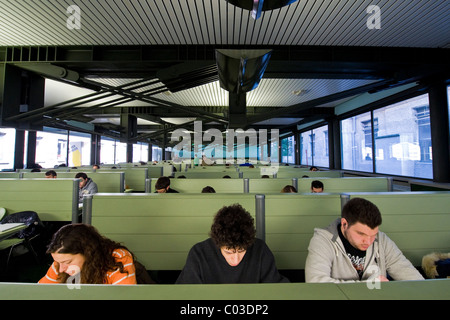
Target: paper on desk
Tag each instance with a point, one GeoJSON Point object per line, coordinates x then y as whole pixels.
{"type": "Point", "coordinates": [7, 226]}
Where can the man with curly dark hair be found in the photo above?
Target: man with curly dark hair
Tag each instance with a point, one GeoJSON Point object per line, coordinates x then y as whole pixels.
{"type": "Point", "coordinates": [232, 254]}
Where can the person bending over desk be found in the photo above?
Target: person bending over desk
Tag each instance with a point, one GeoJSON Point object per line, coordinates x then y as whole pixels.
{"type": "Point", "coordinates": [352, 249]}
{"type": "Point", "coordinates": [80, 253]}
{"type": "Point", "coordinates": [232, 254]}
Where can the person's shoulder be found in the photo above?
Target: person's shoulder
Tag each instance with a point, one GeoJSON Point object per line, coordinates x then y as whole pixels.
{"type": "Point", "coordinates": [122, 254]}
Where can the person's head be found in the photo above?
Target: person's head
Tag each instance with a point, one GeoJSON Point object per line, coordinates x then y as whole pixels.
{"type": "Point", "coordinates": [51, 174]}
{"type": "Point", "coordinates": [360, 220]}
{"type": "Point", "coordinates": [233, 232]}
{"type": "Point", "coordinates": [84, 178]}
{"type": "Point", "coordinates": [162, 185]}
{"type": "Point", "coordinates": [288, 189]}
{"type": "Point", "coordinates": [313, 168]}
{"type": "Point", "coordinates": [80, 248]}
{"type": "Point", "coordinates": [265, 176]}
{"type": "Point", "coordinates": [226, 177]}
{"type": "Point", "coordinates": [316, 186]}
{"type": "Point", "coordinates": [208, 189]}
{"type": "Point", "coordinates": [95, 167]}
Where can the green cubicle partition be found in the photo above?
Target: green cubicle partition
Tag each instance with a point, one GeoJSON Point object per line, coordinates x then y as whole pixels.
{"type": "Point", "coordinates": [259, 293]}
{"type": "Point", "coordinates": [160, 229]}
{"type": "Point", "coordinates": [290, 219]}
{"type": "Point", "coordinates": [52, 199]}
{"type": "Point", "coordinates": [106, 181]}
{"type": "Point", "coordinates": [353, 184]}
{"type": "Point", "coordinates": [196, 185]}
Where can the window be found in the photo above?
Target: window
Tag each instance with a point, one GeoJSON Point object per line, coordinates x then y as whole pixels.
{"type": "Point", "coordinates": [112, 151]}
{"type": "Point", "coordinates": [402, 140]}
{"type": "Point", "coordinates": [320, 147]}
{"type": "Point", "coordinates": [79, 149]}
{"type": "Point", "coordinates": [314, 147]}
{"type": "Point", "coordinates": [403, 143]}
{"type": "Point", "coordinates": [7, 150]}
{"type": "Point", "coordinates": [288, 150]}
{"type": "Point", "coordinates": [356, 140]}
{"type": "Point", "coordinates": [140, 152]}
{"type": "Point", "coordinates": [51, 147]}
{"type": "Point", "coordinates": [156, 153]}
{"type": "Point", "coordinates": [306, 148]}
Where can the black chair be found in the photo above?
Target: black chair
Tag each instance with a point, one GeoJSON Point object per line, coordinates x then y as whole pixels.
{"type": "Point", "coordinates": [25, 236]}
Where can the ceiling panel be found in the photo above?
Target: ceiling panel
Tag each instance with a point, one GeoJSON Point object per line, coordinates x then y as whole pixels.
{"type": "Point", "coordinates": [413, 23]}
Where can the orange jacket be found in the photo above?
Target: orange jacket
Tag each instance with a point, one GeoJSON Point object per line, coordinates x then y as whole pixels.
{"type": "Point", "coordinates": [112, 277]}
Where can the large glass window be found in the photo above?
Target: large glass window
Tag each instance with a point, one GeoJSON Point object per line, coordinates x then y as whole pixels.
{"type": "Point", "coordinates": [112, 151]}
{"type": "Point", "coordinates": [306, 148]}
{"type": "Point", "coordinates": [51, 147]}
{"type": "Point", "coordinates": [79, 149]}
{"type": "Point", "coordinates": [288, 150]}
{"type": "Point", "coordinates": [156, 153]}
{"type": "Point", "coordinates": [140, 152]}
{"type": "Point", "coordinates": [356, 139]}
{"type": "Point", "coordinates": [398, 136]}
{"type": "Point", "coordinates": [321, 155]}
{"type": "Point", "coordinates": [403, 141]}
{"type": "Point", "coordinates": [314, 147]}
{"type": "Point", "coordinates": [7, 148]}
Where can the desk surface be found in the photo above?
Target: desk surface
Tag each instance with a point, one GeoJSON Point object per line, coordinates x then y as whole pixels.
{"type": "Point", "coordinates": [426, 289]}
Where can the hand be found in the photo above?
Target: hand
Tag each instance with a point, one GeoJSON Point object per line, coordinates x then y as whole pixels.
{"type": "Point", "coordinates": [383, 278]}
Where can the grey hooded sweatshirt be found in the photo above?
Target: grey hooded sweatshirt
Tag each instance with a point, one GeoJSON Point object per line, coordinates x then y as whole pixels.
{"type": "Point", "coordinates": [89, 188]}
{"type": "Point", "coordinates": [327, 260]}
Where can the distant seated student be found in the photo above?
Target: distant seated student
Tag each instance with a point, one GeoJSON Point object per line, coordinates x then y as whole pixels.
{"type": "Point", "coordinates": [316, 186]}
{"type": "Point", "coordinates": [95, 167]}
{"type": "Point", "coordinates": [162, 185]}
{"type": "Point", "coordinates": [232, 254]}
{"type": "Point", "coordinates": [288, 189]}
{"type": "Point", "coordinates": [82, 255]}
{"type": "Point", "coordinates": [208, 189]}
{"type": "Point", "coordinates": [87, 186]}
{"type": "Point", "coordinates": [352, 249]}
{"type": "Point", "coordinates": [313, 168]}
{"type": "Point", "coordinates": [51, 174]}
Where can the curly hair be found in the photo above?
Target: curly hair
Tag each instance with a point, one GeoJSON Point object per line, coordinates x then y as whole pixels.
{"type": "Point", "coordinates": [97, 250]}
{"type": "Point", "coordinates": [233, 227]}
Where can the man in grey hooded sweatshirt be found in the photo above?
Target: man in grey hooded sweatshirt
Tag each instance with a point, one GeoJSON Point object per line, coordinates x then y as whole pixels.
{"type": "Point", "coordinates": [87, 186]}
{"type": "Point", "coordinates": [352, 249]}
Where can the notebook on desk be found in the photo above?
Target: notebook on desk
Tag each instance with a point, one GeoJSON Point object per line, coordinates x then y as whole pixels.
{"type": "Point", "coordinates": [8, 226]}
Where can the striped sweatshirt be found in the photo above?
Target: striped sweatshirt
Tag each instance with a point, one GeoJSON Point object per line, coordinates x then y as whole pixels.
{"type": "Point", "coordinates": [112, 277]}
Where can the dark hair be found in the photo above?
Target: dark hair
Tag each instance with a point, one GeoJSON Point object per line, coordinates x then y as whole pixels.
{"type": "Point", "coordinates": [208, 189]}
{"type": "Point", "coordinates": [97, 250]}
{"type": "Point", "coordinates": [316, 184]}
{"type": "Point", "coordinates": [51, 173]}
{"type": "Point", "coordinates": [162, 183]}
{"type": "Point", "coordinates": [81, 175]}
{"type": "Point", "coordinates": [233, 227]}
{"type": "Point", "coordinates": [362, 211]}
{"type": "Point", "coordinates": [288, 189]}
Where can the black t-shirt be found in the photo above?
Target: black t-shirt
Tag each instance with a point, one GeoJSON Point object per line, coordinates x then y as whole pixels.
{"type": "Point", "coordinates": [357, 257]}
{"type": "Point", "coordinates": [206, 264]}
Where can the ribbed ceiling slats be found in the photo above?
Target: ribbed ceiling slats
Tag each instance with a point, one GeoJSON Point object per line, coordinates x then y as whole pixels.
{"type": "Point", "coordinates": [412, 23]}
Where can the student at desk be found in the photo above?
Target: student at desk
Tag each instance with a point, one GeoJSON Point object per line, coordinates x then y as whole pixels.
{"type": "Point", "coordinates": [78, 249]}
{"type": "Point", "coordinates": [232, 254]}
{"type": "Point", "coordinates": [352, 249]}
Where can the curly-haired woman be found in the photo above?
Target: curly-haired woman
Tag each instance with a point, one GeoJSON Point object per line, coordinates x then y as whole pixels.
{"type": "Point", "coordinates": [232, 254]}
{"type": "Point", "coordinates": [82, 255]}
